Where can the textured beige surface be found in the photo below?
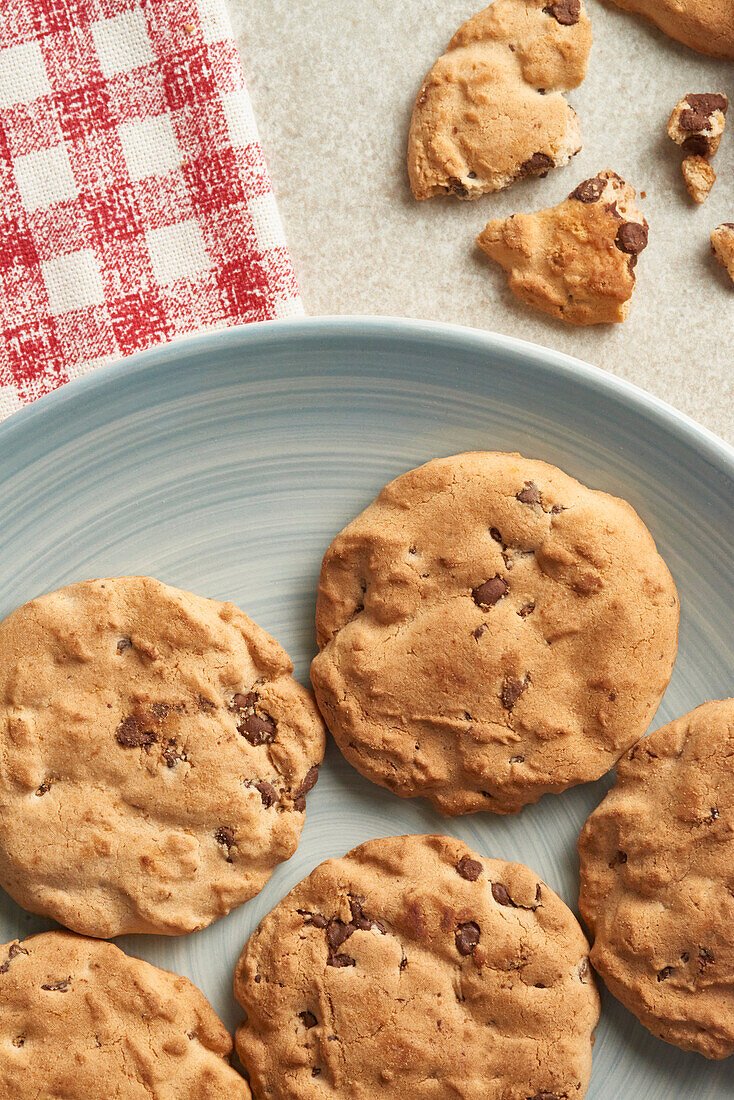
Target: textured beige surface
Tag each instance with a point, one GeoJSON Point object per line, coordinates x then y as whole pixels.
{"type": "Point", "coordinates": [333, 84]}
{"type": "Point", "coordinates": [414, 969]}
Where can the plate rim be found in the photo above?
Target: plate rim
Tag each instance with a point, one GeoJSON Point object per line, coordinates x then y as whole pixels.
{"type": "Point", "coordinates": [710, 446]}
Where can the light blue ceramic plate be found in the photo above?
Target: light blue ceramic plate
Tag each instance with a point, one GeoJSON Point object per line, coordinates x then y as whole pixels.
{"type": "Point", "coordinates": [225, 464]}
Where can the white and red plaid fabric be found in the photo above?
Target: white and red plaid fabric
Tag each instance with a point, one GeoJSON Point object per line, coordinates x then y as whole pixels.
{"type": "Point", "coordinates": [136, 203]}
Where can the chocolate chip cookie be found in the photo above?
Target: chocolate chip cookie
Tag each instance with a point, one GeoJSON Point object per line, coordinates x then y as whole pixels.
{"type": "Point", "coordinates": [491, 110]}
{"type": "Point", "coordinates": [414, 967]}
{"type": "Point", "coordinates": [657, 881]}
{"type": "Point", "coordinates": [81, 1020]}
{"type": "Point", "coordinates": [704, 25]}
{"type": "Point", "coordinates": [490, 629]}
{"type": "Point", "coordinates": [575, 261]}
{"type": "Point", "coordinates": [155, 754]}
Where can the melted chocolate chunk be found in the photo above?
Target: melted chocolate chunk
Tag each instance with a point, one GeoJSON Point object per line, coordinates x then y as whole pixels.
{"type": "Point", "coordinates": [225, 836]}
{"type": "Point", "coordinates": [13, 952]}
{"type": "Point", "coordinates": [589, 191]}
{"type": "Point", "coordinates": [491, 592]}
{"type": "Point", "coordinates": [341, 960]}
{"type": "Point", "coordinates": [258, 729]}
{"type": "Point", "coordinates": [133, 734]}
{"type": "Point", "coordinates": [565, 12]}
{"type": "Point", "coordinates": [58, 987]}
{"type": "Point", "coordinates": [467, 937]}
{"type": "Point", "coordinates": [501, 894]}
{"type": "Point", "coordinates": [529, 494]}
{"type": "Point", "coordinates": [707, 102]}
{"type": "Point", "coordinates": [469, 869]}
{"type": "Point", "coordinates": [631, 238]}
{"type": "Point", "coordinates": [537, 165]}
{"type": "Point", "coordinates": [267, 792]}
{"type": "Point", "coordinates": [512, 690]}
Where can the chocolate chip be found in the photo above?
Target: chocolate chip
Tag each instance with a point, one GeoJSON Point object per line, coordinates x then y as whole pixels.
{"type": "Point", "coordinates": [172, 754]}
{"type": "Point", "coordinates": [310, 780]}
{"type": "Point", "coordinates": [704, 958]}
{"type": "Point", "coordinates": [707, 102]}
{"type": "Point", "coordinates": [467, 937]}
{"type": "Point", "coordinates": [316, 1072]}
{"type": "Point", "coordinates": [14, 950]}
{"type": "Point", "coordinates": [267, 791]}
{"type": "Point", "coordinates": [456, 187]}
{"type": "Point", "coordinates": [631, 238]}
{"type": "Point", "coordinates": [590, 190]}
{"type": "Point", "coordinates": [403, 963]}
{"type": "Point", "coordinates": [501, 894]}
{"type": "Point", "coordinates": [338, 932]}
{"type": "Point", "coordinates": [124, 644]}
{"type": "Point", "coordinates": [529, 494]}
{"type": "Point", "coordinates": [479, 631]}
{"type": "Point", "coordinates": [258, 729]}
{"type": "Point", "coordinates": [341, 960]}
{"type": "Point", "coordinates": [308, 1019]}
{"type": "Point", "coordinates": [512, 690]}
{"type": "Point", "coordinates": [132, 734]}
{"type": "Point", "coordinates": [160, 710]}
{"type": "Point", "coordinates": [318, 920]}
{"type": "Point", "coordinates": [225, 836]}
{"type": "Point", "coordinates": [697, 145]}
{"type": "Point", "coordinates": [665, 973]}
{"type": "Point", "coordinates": [537, 165]}
{"type": "Point", "coordinates": [491, 592]}
{"type": "Point", "coordinates": [244, 702]}
{"type": "Point", "coordinates": [469, 868]}
{"type": "Point", "coordinates": [526, 609]}
{"type": "Point", "coordinates": [565, 12]}
{"type": "Point", "coordinates": [44, 788]}
{"type": "Point", "coordinates": [58, 987]}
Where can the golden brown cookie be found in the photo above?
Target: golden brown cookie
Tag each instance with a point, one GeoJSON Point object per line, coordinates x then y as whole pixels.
{"type": "Point", "coordinates": [80, 1020]}
{"type": "Point", "coordinates": [490, 630]}
{"type": "Point", "coordinates": [704, 25]}
{"type": "Point", "coordinates": [576, 260]}
{"type": "Point", "coordinates": [154, 757]}
{"type": "Point", "coordinates": [722, 246]}
{"type": "Point", "coordinates": [699, 177]}
{"type": "Point", "coordinates": [491, 110]}
{"type": "Point", "coordinates": [657, 881]}
{"type": "Point", "coordinates": [414, 968]}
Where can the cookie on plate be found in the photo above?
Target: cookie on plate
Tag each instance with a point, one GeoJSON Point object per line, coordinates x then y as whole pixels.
{"type": "Point", "coordinates": [722, 246]}
{"type": "Point", "coordinates": [155, 753]}
{"type": "Point", "coordinates": [490, 630]}
{"type": "Point", "coordinates": [492, 110]}
{"type": "Point", "coordinates": [83, 1021]}
{"type": "Point", "coordinates": [575, 261]}
{"type": "Point", "coordinates": [704, 25]}
{"type": "Point", "coordinates": [657, 881]}
{"type": "Point", "coordinates": [415, 968]}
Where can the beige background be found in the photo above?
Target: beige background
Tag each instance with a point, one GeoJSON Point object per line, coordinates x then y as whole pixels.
{"type": "Point", "coordinates": [333, 84]}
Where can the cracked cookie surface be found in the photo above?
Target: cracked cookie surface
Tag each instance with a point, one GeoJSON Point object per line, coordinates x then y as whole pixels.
{"type": "Point", "coordinates": [155, 755]}
{"type": "Point", "coordinates": [491, 110]}
{"type": "Point", "coordinates": [84, 1021]}
{"type": "Point", "coordinates": [657, 881]}
{"type": "Point", "coordinates": [414, 967]}
{"type": "Point", "coordinates": [490, 630]}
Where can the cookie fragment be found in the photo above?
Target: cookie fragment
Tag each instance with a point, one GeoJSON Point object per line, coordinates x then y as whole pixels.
{"type": "Point", "coordinates": [722, 245]}
{"type": "Point", "coordinates": [657, 881]}
{"type": "Point", "coordinates": [697, 123]}
{"type": "Point", "coordinates": [431, 964]}
{"type": "Point", "coordinates": [576, 260]}
{"type": "Point", "coordinates": [699, 177]}
{"type": "Point", "coordinates": [84, 1021]}
{"type": "Point", "coordinates": [434, 686]}
{"type": "Point", "coordinates": [168, 775]}
{"type": "Point", "coordinates": [492, 110]}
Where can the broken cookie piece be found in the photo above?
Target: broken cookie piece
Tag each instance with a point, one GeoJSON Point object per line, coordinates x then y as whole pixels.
{"type": "Point", "coordinates": [722, 246]}
{"type": "Point", "coordinates": [576, 260]}
{"type": "Point", "coordinates": [491, 110]}
{"type": "Point", "coordinates": [699, 177]}
{"type": "Point", "coordinates": [697, 123]}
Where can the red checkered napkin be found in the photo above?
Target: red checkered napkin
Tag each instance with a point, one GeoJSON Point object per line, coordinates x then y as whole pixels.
{"type": "Point", "coordinates": [135, 201]}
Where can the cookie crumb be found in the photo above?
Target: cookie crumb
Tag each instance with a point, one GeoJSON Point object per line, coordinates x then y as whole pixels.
{"type": "Point", "coordinates": [699, 177]}
{"type": "Point", "coordinates": [722, 246]}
